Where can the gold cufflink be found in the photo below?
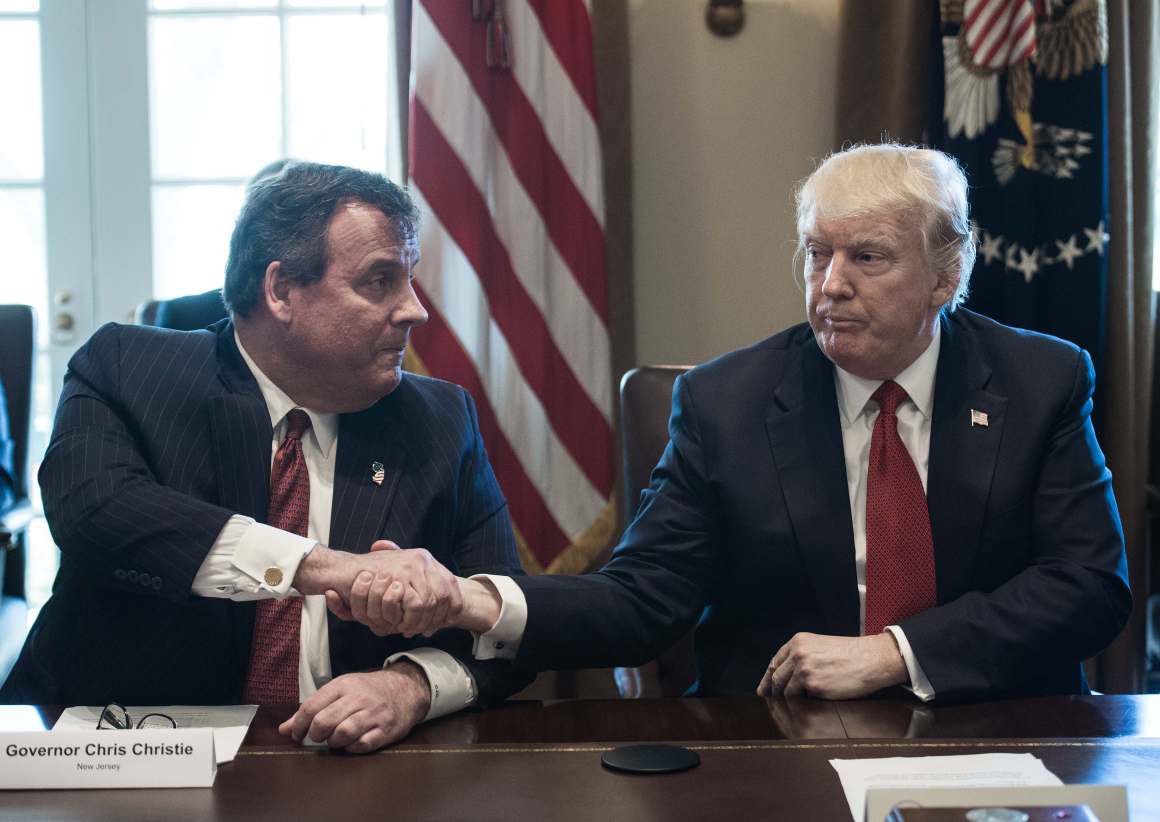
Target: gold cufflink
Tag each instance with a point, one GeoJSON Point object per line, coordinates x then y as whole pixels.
{"type": "Point", "coordinates": [273, 577]}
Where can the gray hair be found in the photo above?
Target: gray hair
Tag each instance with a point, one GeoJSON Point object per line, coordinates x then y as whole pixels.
{"type": "Point", "coordinates": [286, 216]}
{"type": "Point", "coordinates": [919, 184]}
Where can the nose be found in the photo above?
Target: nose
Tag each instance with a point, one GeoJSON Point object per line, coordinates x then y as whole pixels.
{"type": "Point", "coordinates": [410, 312]}
{"type": "Point", "coordinates": [836, 284]}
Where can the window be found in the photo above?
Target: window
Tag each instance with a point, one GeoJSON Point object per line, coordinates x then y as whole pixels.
{"type": "Point", "coordinates": [22, 157]}
{"type": "Point", "coordinates": [23, 253]}
{"type": "Point", "coordinates": [131, 128]}
{"type": "Point", "coordinates": [230, 90]}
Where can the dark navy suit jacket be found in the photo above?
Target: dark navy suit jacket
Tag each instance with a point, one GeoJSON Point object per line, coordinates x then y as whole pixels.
{"type": "Point", "coordinates": [160, 437]}
{"type": "Point", "coordinates": [747, 525]}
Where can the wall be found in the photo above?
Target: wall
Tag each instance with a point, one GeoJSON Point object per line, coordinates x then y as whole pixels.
{"type": "Point", "coordinates": [722, 130]}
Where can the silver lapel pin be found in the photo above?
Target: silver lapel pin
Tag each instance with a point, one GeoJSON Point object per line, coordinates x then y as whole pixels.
{"type": "Point", "coordinates": [977, 418]}
{"type": "Point", "coordinates": [378, 473]}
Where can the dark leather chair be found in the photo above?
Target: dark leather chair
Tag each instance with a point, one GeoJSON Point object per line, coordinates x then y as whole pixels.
{"type": "Point", "coordinates": [183, 313]}
{"type": "Point", "coordinates": [17, 363]}
{"type": "Point", "coordinates": [645, 401]}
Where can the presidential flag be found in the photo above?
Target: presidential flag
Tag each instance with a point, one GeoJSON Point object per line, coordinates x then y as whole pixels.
{"type": "Point", "coordinates": [505, 165]}
{"type": "Point", "coordinates": [1023, 107]}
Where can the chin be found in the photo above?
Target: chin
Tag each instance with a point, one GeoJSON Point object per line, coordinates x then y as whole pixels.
{"type": "Point", "coordinates": [845, 358]}
{"type": "Point", "coordinates": [834, 349]}
{"type": "Point", "coordinates": [361, 396]}
{"type": "Point", "coordinates": [390, 381]}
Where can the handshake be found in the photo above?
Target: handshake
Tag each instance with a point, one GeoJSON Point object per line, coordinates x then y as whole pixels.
{"type": "Point", "coordinates": [397, 591]}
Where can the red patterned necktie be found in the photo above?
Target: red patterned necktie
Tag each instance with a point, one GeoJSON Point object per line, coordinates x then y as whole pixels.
{"type": "Point", "coordinates": [273, 674]}
{"type": "Point", "coordinates": [900, 578]}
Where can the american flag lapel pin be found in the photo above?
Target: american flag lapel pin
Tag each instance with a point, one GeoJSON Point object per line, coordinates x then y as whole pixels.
{"type": "Point", "coordinates": [979, 418]}
{"type": "Point", "coordinates": [378, 473]}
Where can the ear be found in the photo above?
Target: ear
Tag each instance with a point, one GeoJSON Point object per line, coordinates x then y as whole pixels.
{"type": "Point", "coordinates": [276, 292]}
{"type": "Point", "coordinates": [944, 289]}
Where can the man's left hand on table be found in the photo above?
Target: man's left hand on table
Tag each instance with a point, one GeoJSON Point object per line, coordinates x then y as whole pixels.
{"type": "Point", "coordinates": [834, 667]}
{"type": "Point", "coordinates": [363, 712]}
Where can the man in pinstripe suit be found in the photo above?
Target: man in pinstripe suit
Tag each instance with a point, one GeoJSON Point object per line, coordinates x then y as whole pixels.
{"type": "Point", "coordinates": [156, 486]}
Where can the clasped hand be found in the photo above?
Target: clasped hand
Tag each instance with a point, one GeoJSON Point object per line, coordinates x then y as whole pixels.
{"type": "Point", "coordinates": [390, 590]}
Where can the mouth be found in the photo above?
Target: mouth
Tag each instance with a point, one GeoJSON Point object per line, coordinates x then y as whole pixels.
{"type": "Point", "coordinates": [393, 352]}
{"type": "Point", "coordinates": [841, 323]}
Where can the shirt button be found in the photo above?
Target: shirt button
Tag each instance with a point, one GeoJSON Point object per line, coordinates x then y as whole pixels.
{"type": "Point", "coordinates": [273, 577]}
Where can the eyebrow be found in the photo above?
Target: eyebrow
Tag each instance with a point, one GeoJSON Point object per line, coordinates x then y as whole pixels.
{"type": "Point", "coordinates": [875, 239]}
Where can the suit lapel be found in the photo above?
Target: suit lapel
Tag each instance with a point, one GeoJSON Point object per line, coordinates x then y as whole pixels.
{"type": "Point", "coordinates": [241, 433]}
{"type": "Point", "coordinates": [962, 458]}
{"type": "Point", "coordinates": [806, 439]}
{"type": "Point", "coordinates": [361, 504]}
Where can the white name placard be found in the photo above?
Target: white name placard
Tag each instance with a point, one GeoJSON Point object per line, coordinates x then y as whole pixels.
{"type": "Point", "coordinates": [181, 758]}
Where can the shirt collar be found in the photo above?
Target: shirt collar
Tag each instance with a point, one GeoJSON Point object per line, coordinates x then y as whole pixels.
{"type": "Point", "coordinates": [917, 379]}
{"type": "Point", "coordinates": [323, 426]}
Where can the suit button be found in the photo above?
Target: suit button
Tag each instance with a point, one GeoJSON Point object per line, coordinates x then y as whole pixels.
{"type": "Point", "coordinates": [273, 577]}
{"type": "Point", "coordinates": [131, 576]}
{"type": "Point", "coordinates": [156, 583]}
{"type": "Point", "coordinates": [146, 580]}
{"type": "Point", "coordinates": [499, 646]}
{"type": "Point", "coordinates": [119, 575]}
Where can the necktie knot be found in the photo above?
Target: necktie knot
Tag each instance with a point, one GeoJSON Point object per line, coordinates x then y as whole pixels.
{"type": "Point", "coordinates": [889, 396]}
{"type": "Point", "coordinates": [297, 424]}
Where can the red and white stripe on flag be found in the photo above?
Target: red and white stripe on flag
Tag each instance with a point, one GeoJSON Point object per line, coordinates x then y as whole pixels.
{"type": "Point", "coordinates": [999, 33]}
{"type": "Point", "coordinates": [505, 165]}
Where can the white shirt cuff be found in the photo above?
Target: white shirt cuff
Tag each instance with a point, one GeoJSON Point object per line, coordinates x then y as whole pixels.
{"type": "Point", "coordinates": [452, 685]}
{"type": "Point", "coordinates": [504, 638]}
{"type": "Point", "coordinates": [250, 560]}
{"type": "Point", "coordinates": [919, 685]}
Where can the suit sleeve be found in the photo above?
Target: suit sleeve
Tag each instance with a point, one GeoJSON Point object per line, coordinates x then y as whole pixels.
{"type": "Point", "coordinates": [485, 543]}
{"type": "Point", "coordinates": [1070, 601]}
{"type": "Point", "coordinates": [652, 590]}
{"type": "Point", "coordinates": [105, 508]}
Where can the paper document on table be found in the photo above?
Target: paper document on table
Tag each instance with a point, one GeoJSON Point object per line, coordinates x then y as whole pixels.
{"type": "Point", "coordinates": [229, 722]}
{"type": "Point", "coordinates": [992, 770]}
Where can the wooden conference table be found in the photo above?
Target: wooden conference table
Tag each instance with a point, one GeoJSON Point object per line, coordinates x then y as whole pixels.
{"type": "Point", "coordinates": [541, 760]}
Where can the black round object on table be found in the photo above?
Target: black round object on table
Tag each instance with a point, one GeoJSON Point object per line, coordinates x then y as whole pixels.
{"type": "Point", "coordinates": [650, 759]}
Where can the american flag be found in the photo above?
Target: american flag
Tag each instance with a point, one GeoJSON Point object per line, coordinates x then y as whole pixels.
{"type": "Point", "coordinates": [505, 165]}
{"type": "Point", "coordinates": [999, 33]}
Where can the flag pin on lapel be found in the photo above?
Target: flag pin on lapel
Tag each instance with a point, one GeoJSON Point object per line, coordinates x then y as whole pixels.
{"type": "Point", "coordinates": [977, 418]}
{"type": "Point", "coordinates": [378, 473]}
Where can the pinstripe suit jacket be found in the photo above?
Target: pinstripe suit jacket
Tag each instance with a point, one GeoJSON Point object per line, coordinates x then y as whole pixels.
{"type": "Point", "coordinates": [160, 437]}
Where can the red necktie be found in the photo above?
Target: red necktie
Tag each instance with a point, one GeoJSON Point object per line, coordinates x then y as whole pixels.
{"type": "Point", "coordinates": [273, 674]}
{"type": "Point", "coordinates": [900, 578]}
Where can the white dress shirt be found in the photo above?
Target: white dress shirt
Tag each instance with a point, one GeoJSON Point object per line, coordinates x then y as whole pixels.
{"type": "Point", "coordinates": [858, 414]}
{"type": "Point", "coordinates": [237, 564]}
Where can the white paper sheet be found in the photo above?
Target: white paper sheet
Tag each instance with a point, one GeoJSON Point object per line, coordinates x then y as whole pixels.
{"type": "Point", "coordinates": [229, 722]}
{"type": "Point", "coordinates": [992, 770]}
